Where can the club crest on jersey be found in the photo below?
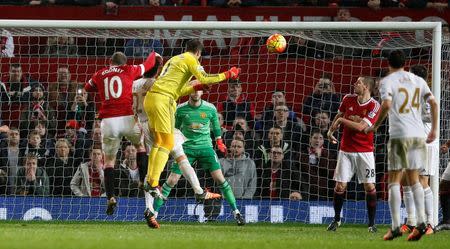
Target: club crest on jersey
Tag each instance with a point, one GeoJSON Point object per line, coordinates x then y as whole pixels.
{"type": "Point", "coordinates": [350, 108]}
{"type": "Point", "coordinates": [203, 115]}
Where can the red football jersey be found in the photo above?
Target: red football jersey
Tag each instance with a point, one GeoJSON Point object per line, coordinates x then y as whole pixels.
{"type": "Point", "coordinates": [114, 85]}
{"type": "Point", "coordinates": [352, 140]}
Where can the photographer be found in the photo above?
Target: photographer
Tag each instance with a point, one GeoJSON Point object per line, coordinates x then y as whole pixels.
{"type": "Point", "coordinates": [323, 97]}
{"type": "Point", "coordinates": [82, 110]}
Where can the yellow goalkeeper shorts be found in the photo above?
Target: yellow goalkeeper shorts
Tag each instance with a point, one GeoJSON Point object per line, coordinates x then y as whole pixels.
{"type": "Point", "coordinates": [160, 111]}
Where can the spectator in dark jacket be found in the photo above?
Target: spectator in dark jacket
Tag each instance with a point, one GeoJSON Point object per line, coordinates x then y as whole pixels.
{"type": "Point", "coordinates": [236, 105]}
{"type": "Point", "coordinates": [280, 178]}
{"type": "Point", "coordinates": [10, 158]}
{"type": "Point", "coordinates": [31, 179]}
{"type": "Point", "coordinates": [61, 168]}
{"type": "Point", "coordinates": [317, 167]}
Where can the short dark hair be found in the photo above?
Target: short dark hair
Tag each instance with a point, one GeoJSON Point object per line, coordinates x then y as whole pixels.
{"type": "Point", "coordinates": [194, 46]}
{"type": "Point", "coordinates": [34, 133]}
{"type": "Point", "coordinates": [32, 155]}
{"type": "Point", "coordinates": [420, 70]}
{"type": "Point", "coordinates": [396, 59]}
{"type": "Point", "coordinates": [118, 59]}
{"type": "Point", "coordinates": [315, 131]}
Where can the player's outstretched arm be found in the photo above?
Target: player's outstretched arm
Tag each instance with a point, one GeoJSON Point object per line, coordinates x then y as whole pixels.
{"type": "Point", "coordinates": [151, 61]}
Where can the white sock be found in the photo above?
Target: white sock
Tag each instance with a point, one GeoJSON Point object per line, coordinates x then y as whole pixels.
{"type": "Point", "coordinates": [190, 175]}
{"type": "Point", "coordinates": [148, 201]}
{"type": "Point", "coordinates": [408, 199]}
{"type": "Point", "coordinates": [395, 201]}
{"type": "Point", "coordinates": [428, 196]}
{"type": "Point", "coordinates": [419, 200]}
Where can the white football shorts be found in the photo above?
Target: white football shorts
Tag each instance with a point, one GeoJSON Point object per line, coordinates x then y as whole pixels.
{"type": "Point", "coordinates": [349, 163]}
{"type": "Point", "coordinates": [114, 129]}
{"type": "Point", "coordinates": [407, 153]}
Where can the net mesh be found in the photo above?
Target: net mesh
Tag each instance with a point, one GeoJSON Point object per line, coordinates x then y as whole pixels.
{"type": "Point", "coordinates": [299, 90]}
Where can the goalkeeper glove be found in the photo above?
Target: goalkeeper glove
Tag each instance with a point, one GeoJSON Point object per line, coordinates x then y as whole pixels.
{"type": "Point", "coordinates": [233, 73]}
{"type": "Point", "coordinates": [221, 146]}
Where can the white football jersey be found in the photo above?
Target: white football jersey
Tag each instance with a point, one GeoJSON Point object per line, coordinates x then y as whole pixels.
{"type": "Point", "coordinates": [426, 119]}
{"type": "Point", "coordinates": [139, 93]}
{"type": "Point", "coordinates": [407, 92]}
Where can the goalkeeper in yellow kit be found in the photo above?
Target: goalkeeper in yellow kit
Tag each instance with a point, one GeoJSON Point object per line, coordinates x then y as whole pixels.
{"type": "Point", "coordinates": [160, 104]}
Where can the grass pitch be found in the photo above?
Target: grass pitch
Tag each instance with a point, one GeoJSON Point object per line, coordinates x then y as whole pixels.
{"type": "Point", "coordinates": [81, 235]}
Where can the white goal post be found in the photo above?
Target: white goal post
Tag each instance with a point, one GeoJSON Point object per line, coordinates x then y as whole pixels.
{"type": "Point", "coordinates": [140, 29]}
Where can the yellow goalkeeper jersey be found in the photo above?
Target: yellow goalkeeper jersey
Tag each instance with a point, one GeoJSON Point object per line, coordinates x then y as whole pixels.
{"type": "Point", "coordinates": [178, 71]}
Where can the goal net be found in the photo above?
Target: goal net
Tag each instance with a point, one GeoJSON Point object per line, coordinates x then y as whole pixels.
{"type": "Point", "coordinates": [282, 106]}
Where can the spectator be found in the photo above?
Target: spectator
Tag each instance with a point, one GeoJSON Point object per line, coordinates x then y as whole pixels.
{"type": "Point", "coordinates": [292, 132]}
{"type": "Point", "coordinates": [61, 168]}
{"type": "Point", "coordinates": [31, 179]}
{"type": "Point", "coordinates": [242, 131]}
{"type": "Point", "coordinates": [88, 180]}
{"type": "Point", "coordinates": [317, 167]}
{"type": "Point", "coordinates": [95, 140]}
{"type": "Point", "coordinates": [278, 98]}
{"type": "Point", "coordinates": [343, 15]}
{"type": "Point", "coordinates": [34, 146]}
{"type": "Point", "coordinates": [274, 139]}
{"type": "Point", "coordinates": [18, 87]}
{"type": "Point", "coordinates": [143, 47]}
{"type": "Point", "coordinates": [10, 159]}
{"type": "Point", "coordinates": [6, 44]}
{"type": "Point", "coordinates": [222, 124]}
{"type": "Point", "coordinates": [18, 84]}
{"type": "Point", "coordinates": [321, 121]}
{"type": "Point", "coordinates": [323, 97]}
{"type": "Point", "coordinates": [236, 105]}
{"type": "Point", "coordinates": [61, 46]}
{"type": "Point", "coordinates": [47, 142]}
{"type": "Point", "coordinates": [61, 93]}
{"type": "Point", "coordinates": [82, 110]}
{"type": "Point", "coordinates": [239, 170]}
{"type": "Point", "coordinates": [37, 110]}
{"type": "Point", "coordinates": [75, 139]}
{"type": "Point", "coordinates": [280, 178]}
{"type": "Point", "coordinates": [128, 174]}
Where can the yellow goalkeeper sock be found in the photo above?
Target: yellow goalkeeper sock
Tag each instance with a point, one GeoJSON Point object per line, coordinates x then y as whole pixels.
{"type": "Point", "coordinates": [158, 166]}
{"type": "Point", "coordinates": [150, 165]}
